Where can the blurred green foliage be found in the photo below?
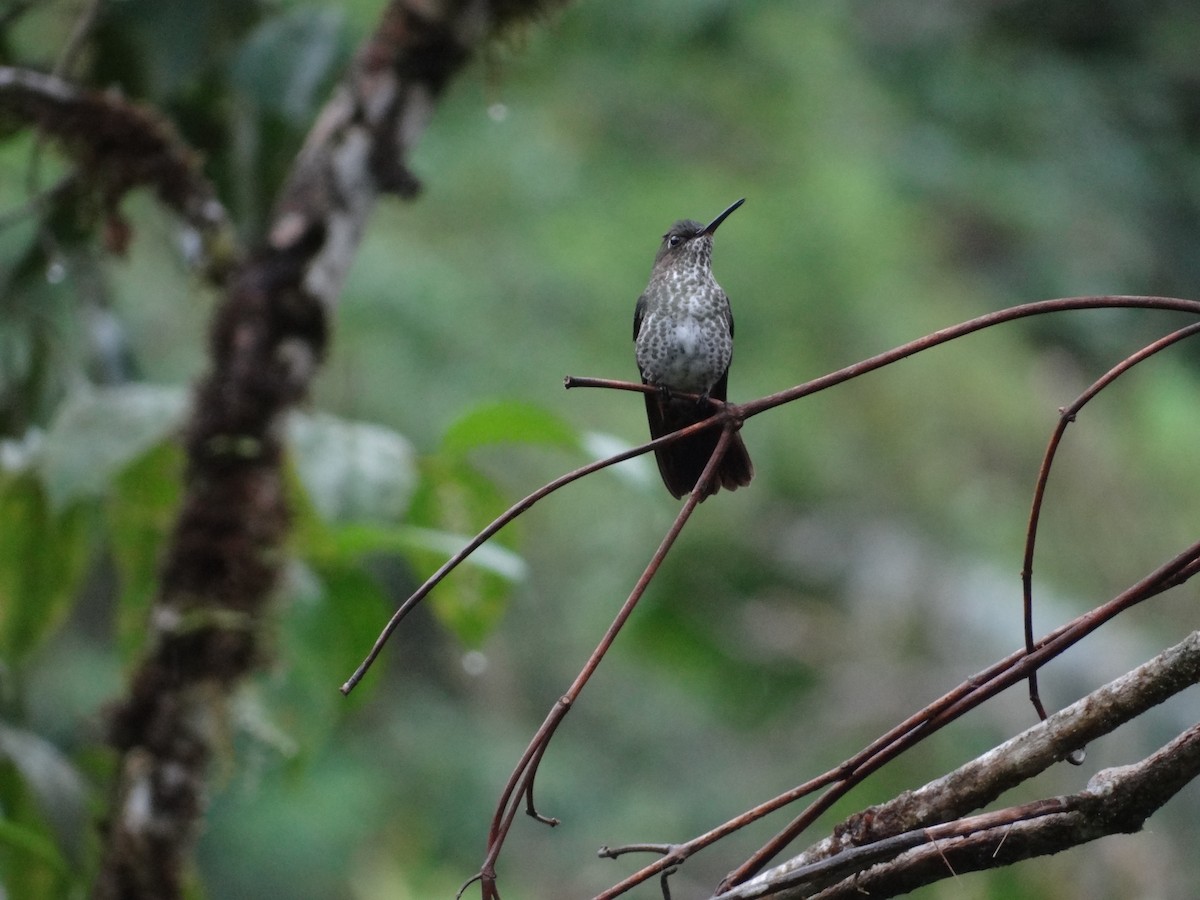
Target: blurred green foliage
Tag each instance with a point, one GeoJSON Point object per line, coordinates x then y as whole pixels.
{"type": "Point", "coordinates": [905, 166]}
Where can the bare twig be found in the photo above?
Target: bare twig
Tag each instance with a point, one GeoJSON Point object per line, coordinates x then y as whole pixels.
{"type": "Point", "coordinates": [968, 695]}
{"type": "Point", "coordinates": [1067, 415]}
{"type": "Point", "coordinates": [521, 781]}
{"type": "Point", "coordinates": [615, 852]}
{"type": "Point", "coordinates": [496, 525]}
{"type": "Point", "coordinates": [731, 412]}
{"type": "Point", "coordinates": [578, 381]}
{"type": "Point", "coordinates": [954, 332]}
{"type": "Point", "coordinates": [849, 773]}
{"type": "Point", "coordinates": [525, 503]}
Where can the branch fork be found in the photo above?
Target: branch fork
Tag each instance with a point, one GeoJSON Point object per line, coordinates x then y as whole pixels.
{"type": "Point", "coordinates": [838, 781]}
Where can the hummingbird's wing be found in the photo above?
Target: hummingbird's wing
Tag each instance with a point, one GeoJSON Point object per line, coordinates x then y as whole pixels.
{"type": "Point", "coordinates": [682, 462]}
{"type": "Point", "coordinates": [638, 312]}
{"type": "Point", "coordinates": [721, 388]}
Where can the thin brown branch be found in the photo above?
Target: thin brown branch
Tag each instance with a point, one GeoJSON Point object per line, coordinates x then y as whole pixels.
{"type": "Point", "coordinates": [730, 412]}
{"type": "Point", "coordinates": [520, 782]}
{"type": "Point", "coordinates": [615, 852]}
{"type": "Point", "coordinates": [903, 351]}
{"type": "Point", "coordinates": [968, 695]}
{"type": "Point", "coordinates": [579, 381]}
{"type": "Point", "coordinates": [494, 527]}
{"type": "Point", "coordinates": [954, 332]}
{"type": "Point", "coordinates": [1066, 417]}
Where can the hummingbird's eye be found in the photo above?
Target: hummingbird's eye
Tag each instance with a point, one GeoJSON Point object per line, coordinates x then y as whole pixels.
{"type": "Point", "coordinates": [674, 240]}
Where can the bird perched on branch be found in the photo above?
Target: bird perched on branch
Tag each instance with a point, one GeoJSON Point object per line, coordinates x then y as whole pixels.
{"type": "Point", "coordinates": [683, 335]}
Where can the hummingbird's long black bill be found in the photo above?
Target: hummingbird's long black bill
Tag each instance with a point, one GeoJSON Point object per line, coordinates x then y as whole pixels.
{"type": "Point", "coordinates": [712, 226]}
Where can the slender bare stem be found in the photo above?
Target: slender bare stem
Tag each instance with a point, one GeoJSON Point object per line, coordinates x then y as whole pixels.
{"type": "Point", "coordinates": [612, 384]}
{"type": "Point", "coordinates": [730, 412]}
{"type": "Point", "coordinates": [839, 780]}
{"type": "Point", "coordinates": [1041, 307]}
{"type": "Point", "coordinates": [496, 525]}
{"type": "Point", "coordinates": [520, 782]}
{"type": "Point", "coordinates": [966, 696]}
{"type": "Point", "coordinates": [1066, 417]}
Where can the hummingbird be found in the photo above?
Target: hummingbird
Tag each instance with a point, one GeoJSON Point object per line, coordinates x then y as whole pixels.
{"type": "Point", "coordinates": [683, 337]}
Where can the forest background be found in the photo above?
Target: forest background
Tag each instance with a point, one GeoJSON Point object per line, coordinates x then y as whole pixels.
{"type": "Point", "coordinates": [905, 168]}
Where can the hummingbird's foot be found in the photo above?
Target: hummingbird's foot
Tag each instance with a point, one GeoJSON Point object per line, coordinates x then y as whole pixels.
{"type": "Point", "coordinates": [715, 406]}
{"type": "Point", "coordinates": [712, 404]}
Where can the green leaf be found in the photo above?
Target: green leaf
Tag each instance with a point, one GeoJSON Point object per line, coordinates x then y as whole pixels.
{"type": "Point", "coordinates": [454, 498]}
{"type": "Point", "coordinates": [22, 840]}
{"type": "Point", "coordinates": [491, 557]}
{"type": "Point", "coordinates": [288, 60]}
{"type": "Point", "coordinates": [359, 481]}
{"type": "Point", "coordinates": [141, 509]}
{"type": "Point", "coordinates": [352, 471]}
{"type": "Point", "coordinates": [637, 472]}
{"type": "Point", "coordinates": [508, 422]}
{"type": "Point", "coordinates": [41, 557]}
{"type": "Point", "coordinates": [350, 542]}
{"type": "Point", "coordinates": [45, 819]}
{"type": "Point", "coordinates": [97, 432]}
{"type": "Point", "coordinates": [469, 601]}
{"type": "Point", "coordinates": [54, 785]}
{"type": "Point", "coordinates": [333, 616]}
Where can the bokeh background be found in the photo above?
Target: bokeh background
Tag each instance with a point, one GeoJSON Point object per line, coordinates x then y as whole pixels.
{"type": "Point", "coordinates": [906, 166]}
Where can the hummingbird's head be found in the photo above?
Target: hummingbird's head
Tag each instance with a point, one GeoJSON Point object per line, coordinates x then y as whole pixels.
{"type": "Point", "coordinates": [689, 241]}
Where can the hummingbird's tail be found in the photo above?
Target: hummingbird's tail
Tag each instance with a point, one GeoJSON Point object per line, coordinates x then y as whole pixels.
{"type": "Point", "coordinates": [682, 462]}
